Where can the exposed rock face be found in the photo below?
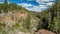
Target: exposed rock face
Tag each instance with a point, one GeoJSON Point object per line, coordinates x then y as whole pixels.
{"type": "Point", "coordinates": [42, 31]}
{"type": "Point", "coordinates": [12, 18]}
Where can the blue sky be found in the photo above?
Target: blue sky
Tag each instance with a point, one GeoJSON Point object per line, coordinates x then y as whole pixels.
{"type": "Point", "coordinates": [33, 5]}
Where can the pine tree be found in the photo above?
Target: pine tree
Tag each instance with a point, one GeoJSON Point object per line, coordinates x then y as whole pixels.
{"type": "Point", "coordinates": [5, 6]}
{"type": "Point", "coordinates": [58, 9]}
{"type": "Point", "coordinates": [28, 22]}
{"type": "Point", "coordinates": [55, 25]}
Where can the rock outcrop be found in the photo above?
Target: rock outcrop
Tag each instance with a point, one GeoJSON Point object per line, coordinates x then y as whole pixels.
{"type": "Point", "coordinates": [43, 31]}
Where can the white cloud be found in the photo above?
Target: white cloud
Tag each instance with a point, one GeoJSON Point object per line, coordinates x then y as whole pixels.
{"type": "Point", "coordinates": [8, 2]}
{"type": "Point", "coordinates": [38, 8]}
{"type": "Point", "coordinates": [40, 1]}
{"type": "Point", "coordinates": [46, 0]}
{"type": "Point", "coordinates": [43, 2]}
{"type": "Point", "coordinates": [25, 4]}
{"type": "Point", "coordinates": [35, 8]}
{"type": "Point", "coordinates": [50, 3]}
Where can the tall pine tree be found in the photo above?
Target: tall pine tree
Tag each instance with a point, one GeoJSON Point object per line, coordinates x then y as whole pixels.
{"type": "Point", "coordinates": [5, 6]}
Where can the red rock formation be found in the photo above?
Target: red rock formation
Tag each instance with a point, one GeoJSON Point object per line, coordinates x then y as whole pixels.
{"type": "Point", "coordinates": [42, 31]}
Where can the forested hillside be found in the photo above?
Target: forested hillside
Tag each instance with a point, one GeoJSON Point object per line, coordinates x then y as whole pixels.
{"type": "Point", "coordinates": [50, 19]}
{"type": "Point", "coordinates": [15, 19]}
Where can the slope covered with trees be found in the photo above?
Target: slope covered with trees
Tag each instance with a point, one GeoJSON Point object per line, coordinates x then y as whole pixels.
{"type": "Point", "coordinates": [50, 19]}
{"type": "Point", "coordinates": [16, 18]}
{"type": "Point", "coordinates": [5, 7]}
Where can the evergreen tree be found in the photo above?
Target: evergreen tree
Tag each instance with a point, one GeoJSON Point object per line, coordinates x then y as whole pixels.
{"type": "Point", "coordinates": [28, 22]}
{"type": "Point", "coordinates": [12, 6]}
{"type": "Point", "coordinates": [5, 6]}
{"type": "Point", "coordinates": [55, 25]}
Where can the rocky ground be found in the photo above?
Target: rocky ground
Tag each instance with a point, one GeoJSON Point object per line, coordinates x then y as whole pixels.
{"type": "Point", "coordinates": [43, 31]}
